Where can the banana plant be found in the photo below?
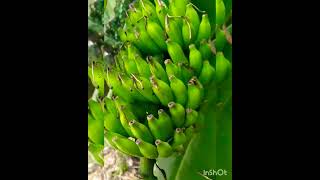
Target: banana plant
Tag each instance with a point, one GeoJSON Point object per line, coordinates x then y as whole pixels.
{"type": "Point", "coordinates": [170, 89]}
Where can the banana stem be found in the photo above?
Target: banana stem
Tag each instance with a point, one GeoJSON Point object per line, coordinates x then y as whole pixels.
{"type": "Point", "coordinates": [146, 168]}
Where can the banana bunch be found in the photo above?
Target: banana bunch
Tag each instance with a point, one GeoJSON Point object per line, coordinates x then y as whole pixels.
{"type": "Point", "coordinates": [164, 65]}
{"type": "Point", "coordinates": [158, 77]}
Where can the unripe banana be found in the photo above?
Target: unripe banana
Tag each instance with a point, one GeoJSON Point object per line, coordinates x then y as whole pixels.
{"type": "Point", "coordinates": [188, 32]}
{"type": "Point", "coordinates": [127, 146]}
{"type": "Point", "coordinates": [114, 83]}
{"type": "Point", "coordinates": [96, 110]}
{"type": "Point", "coordinates": [96, 74]}
{"type": "Point", "coordinates": [148, 150]}
{"type": "Point", "coordinates": [111, 107]}
{"type": "Point", "coordinates": [149, 10]}
{"type": "Point", "coordinates": [157, 69]}
{"type": "Point", "coordinates": [125, 116]}
{"type": "Point", "coordinates": [195, 59]}
{"type": "Point", "coordinates": [178, 7]}
{"type": "Point", "coordinates": [223, 67]}
{"type": "Point", "coordinates": [95, 152]}
{"type": "Point", "coordinates": [179, 138]}
{"type": "Point", "coordinates": [112, 123]}
{"type": "Point", "coordinates": [220, 12]}
{"type": "Point", "coordinates": [142, 67]}
{"type": "Point", "coordinates": [204, 29]}
{"type": "Point", "coordinates": [191, 117]}
{"type": "Point", "coordinates": [205, 49]}
{"type": "Point", "coordinates": [177, 112]}
{"type": "Point", "coordinates": [207, 73]}
{"type": "Point", "coordinates": [186, 72]}
{"type": "Point", "coordinates": [174, 30]}
{"type": "Point", "coordinates": [109, 135]}
{"type": "Point", "coordinates": [176, 53]}
{"type": "Point", "coordinates": [145, 40]}
{"type": "Point", "coordinates": [157, 34]}
{"type": "Point", "coordinates": [134, 15]}
{"type": "Point", "coordinates": [130, 65]}
{"type": "Point", "coordinates": [141, 131]}
{"type": "Point", "coordinates": [164, 148]}
{"type": "Point", "coordinates": [166, 124]}
{"type": "Point", "coordinates": [158, 129]}
{"type": "Point", "coordinates": [172, 69]}
{"type": "Point", "coordinates": [162, 90]}
{"type": "Point", "coordinates": [95, 129]}
{"type": "Point", "coordinates": [179, 90]}
{"type": "Point", "coordinates": [161, 10]}
{"type": "Point", "coordinates": [193, 18]}
{"type": "Point", "coordinates": [221, 39]}
{"type": "Point", "coordinates": [144, 86]}
{"type": "Point", "coordinates": [132, 51]}
{"type": "Point", "coordinates": [128, 83]}
{"type": "Point", "coordinates": [195, 94]}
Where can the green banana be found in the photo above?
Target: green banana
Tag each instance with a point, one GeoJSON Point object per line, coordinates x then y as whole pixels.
{"type": "Point", "coordinates": [109, 135]}
{"type": "Point", "coordinates": [179, 138]}
{"type": "Point", "coordinates": [176, 53]}
{"type": "Point", "coordinates": [173, 30]}
{"type": "Point", "coordinates": [177, 112]}
{"type": "Point", "coordinates": [142, 67]}
{"type": "Point", "coordinates": [130, 65]}
{"type": "Point", "coordinates": [114, 83]}
{"type": "Point", "coordinates": [179, 90]}
{"type": "Point", "coordinates": [172, 69]}
{"type": "Point", "coordinates": [95, 129]}
{"type": "Point", "coordinates": [223, 67]}
{"type": "Point", "coordinates": [132, 51]}
{"type": "Point", "coordinates": [95, 152]}
{"type": "Point", "coordinates": [186, 72]}
{"type": "Point", "coordinates": [149, 10]}
{"type": "Point", "coordinates": [204, 29]}
{"type": "Point", "coordinates": [158, 129]}
{"type": "Point", "coordinates": [195, 59]}
{"type": "Point", "coordinates": [164, 121]}
{"type": "Point", "coordinates": [111, 107]}
{"type": "Point", "coordinates": [125, 116]}
{"type": "Point", "coordinates": [96, 110]}
{"type": "Point", "coordinates": [195, 93]}
{"type": "Point", "coordinates": [157, 34]}
{"type": "Point", "coordinates": [191, 117]}
{"type": "Point", "coordinates": [221, 39]}
{"type": "Point", "coordinates": [220, 12]}
{"type": "Point", "coordinates": [96, 74]}
{"type": "Point", "coordinates": [162, 90]}
{"type": "Point", "coordinates": [161, 10]}
{"type": "Point", "coordinates": [193, 17]}
{"type": "Point", "coordinates": [144, 86]}
{"type": "Point", "coordinates": [127, 146]}
{"type": "Point", "coordinates": [205, 49]}
{"type": "Point", "coordinates": [164, 148]}
{"type": "Point", "coordinates": [141, 131]}
{"type": "Point", "coordinates": [112, 123]}
{"type": "Point", "coordinates": [188, 32]}
{"type": "Point", "coordinates": [148, 150]}
{"type": "Point", "coordinates": [157, 69]}
{"type": "Point", "coordinates": [207, 73]}
{"type": "Point", "coordinates": [178, 7]}
{"type": "Point", "coordinates": [128, 83]}
{"type": "Point", "coordinates": [145, 40]}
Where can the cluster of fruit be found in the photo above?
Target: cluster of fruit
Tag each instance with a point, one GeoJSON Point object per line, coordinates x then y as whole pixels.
{"type": "Point", "coordinates": [158, 78]}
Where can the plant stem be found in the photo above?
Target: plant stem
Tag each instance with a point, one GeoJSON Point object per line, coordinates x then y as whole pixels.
{"type": "Point", "coordinates": [146, 168]}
